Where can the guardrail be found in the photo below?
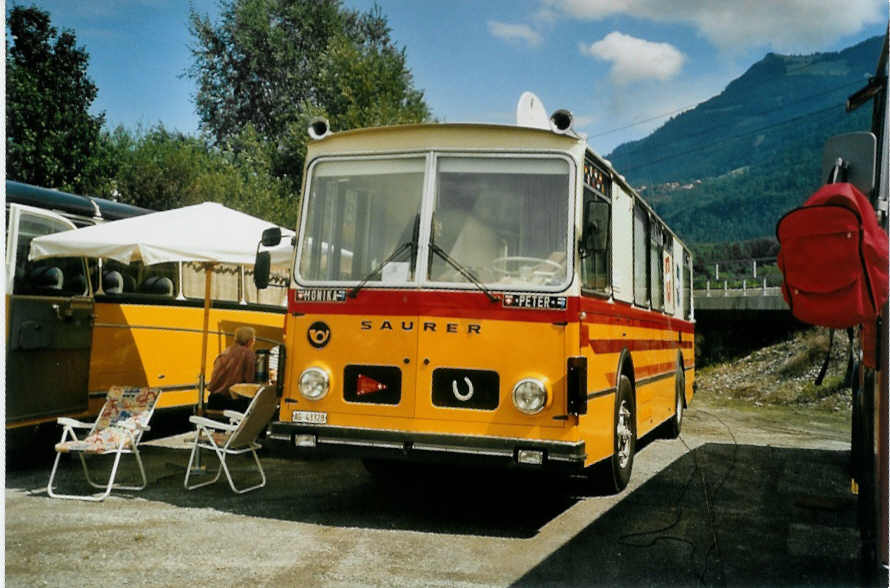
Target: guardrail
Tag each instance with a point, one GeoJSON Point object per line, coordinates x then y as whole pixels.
{"type": "Point", "coordinates": [740, 277]}
{"type": "Point", "coordinates": [756, 289]}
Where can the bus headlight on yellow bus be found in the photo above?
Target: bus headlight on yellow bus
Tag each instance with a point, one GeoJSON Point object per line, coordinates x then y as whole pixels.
{"type": "Point", "coordinates": [529, 396]}
{"type": "Point", "coordinates": [314, 383]}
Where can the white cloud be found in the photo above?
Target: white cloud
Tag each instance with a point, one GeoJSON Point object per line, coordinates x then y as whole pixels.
{"type": "Point", "coordinates": [514, 33]}
{"type": "Point", "coordinates": [635, 59]}
{"type": "Point", "coordinates": [786, 25]}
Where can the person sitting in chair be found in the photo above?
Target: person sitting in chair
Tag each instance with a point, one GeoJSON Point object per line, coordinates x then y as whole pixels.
{"type": "Point", "coordinates": [235, 365]}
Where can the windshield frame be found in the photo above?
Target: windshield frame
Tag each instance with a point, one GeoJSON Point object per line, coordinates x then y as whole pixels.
{"type": "Point", "coordinates": [427, 206]}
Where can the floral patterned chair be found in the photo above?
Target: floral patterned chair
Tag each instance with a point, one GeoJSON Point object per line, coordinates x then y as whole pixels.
{"type": "Point", "coordinates": [117, 430]}
{"type": "Point", "coordinates": [236, 437]}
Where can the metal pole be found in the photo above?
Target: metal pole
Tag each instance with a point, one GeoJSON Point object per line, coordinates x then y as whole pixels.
{"type": "Point", "coordinates": [100, 290]}
{"type": "Point", "coordinates": [208, 277]}
{"type": "Point", "coordinates": [181, 295]}
{"type": "Point", "coordinates": [243, 300]}
{"type": "Point", "coordinates": [755, 269]}
{"type": "Point", "coordinates": [717, 271]}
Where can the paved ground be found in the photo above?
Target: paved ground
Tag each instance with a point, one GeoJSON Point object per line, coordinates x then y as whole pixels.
{"type": "Point", "coordinates": [739, 500]}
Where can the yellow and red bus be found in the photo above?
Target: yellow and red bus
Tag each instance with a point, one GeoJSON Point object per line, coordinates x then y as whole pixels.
{"type": "Point", "coordinates": [484, 293]}
{"type": "Point", "coordinates": [71, 335]}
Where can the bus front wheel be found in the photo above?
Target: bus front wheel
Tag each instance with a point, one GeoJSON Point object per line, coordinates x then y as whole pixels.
{"type": "Point", "coordinates": [625, 436]}
{"type": "Point", "coordinates": [675, 424]}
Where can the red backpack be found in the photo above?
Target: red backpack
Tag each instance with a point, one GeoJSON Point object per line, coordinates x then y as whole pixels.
{"type": "Point", "coordinates": [834, 258]}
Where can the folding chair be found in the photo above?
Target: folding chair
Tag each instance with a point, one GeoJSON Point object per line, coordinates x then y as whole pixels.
{"type": "Point", "coordinates": [118, 430]}
{"type": "Point", "coordinates": [234, 438]}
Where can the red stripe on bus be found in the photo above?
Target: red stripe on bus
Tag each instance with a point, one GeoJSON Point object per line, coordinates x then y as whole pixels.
{"type": "Point", "coordinates": [645, 371]}
{"type": "Point", "coordinates": [477, 305]}
{"type": "Point", "coordinates": [617, 345]}
{"type": "Point", "coordinates": [603, 312]}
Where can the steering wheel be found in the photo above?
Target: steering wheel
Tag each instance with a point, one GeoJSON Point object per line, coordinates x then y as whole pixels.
{"type": "Point", "coordinates": [500, 266]}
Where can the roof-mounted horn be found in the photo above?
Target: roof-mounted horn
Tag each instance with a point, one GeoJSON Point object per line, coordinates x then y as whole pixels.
{"type": "Point", "coordinates": [319, 128]}
{"type": "Point", "coordinates": [561, 121]}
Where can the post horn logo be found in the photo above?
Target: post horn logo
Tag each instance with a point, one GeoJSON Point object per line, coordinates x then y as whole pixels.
{"type": "Point", "coordinates": [319, 334]}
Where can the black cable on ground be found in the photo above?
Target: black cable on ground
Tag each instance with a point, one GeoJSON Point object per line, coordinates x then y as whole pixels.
{"type": "Point", "coordinates": [627, 539]}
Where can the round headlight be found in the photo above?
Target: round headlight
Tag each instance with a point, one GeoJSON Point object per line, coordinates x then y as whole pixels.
{"type": "Point", "coordinates": [314, 383]}
{"type": "Point", "coordinates": [529, 396]}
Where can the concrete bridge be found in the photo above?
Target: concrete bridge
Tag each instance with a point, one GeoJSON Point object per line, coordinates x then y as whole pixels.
{"type": "Point", "coordinates": [764, 299]}
{"type": "Point", "coordinates": [733, 321]}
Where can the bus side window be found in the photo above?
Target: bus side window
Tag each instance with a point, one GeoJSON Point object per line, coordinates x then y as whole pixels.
{"type": "Point", "coordinates": [63, 276]}
{"type": "Point", "coordinates": [687, 286]}
{"type": "Point", "coordinates": [641, 255]}
{"type": "Point", "coordinates": [595, 247]}
{"type": "Point", "coordinates": [656, 271]}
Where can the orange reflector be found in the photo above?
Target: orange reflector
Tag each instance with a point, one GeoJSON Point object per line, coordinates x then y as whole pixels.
{"type": "Point", "coordinates": [366, 385]}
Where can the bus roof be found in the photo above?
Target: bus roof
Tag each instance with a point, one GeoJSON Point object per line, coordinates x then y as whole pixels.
{"type": "Point", "coordinates": [446, 136]}
{"type": "Point", "coordinates": [86, 206]}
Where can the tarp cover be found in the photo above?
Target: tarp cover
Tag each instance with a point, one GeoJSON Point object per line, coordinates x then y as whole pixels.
{"type": "Point", "coordinates": [203, 232]}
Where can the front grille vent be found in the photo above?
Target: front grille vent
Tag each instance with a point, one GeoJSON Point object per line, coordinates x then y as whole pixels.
{"type": "Point", "coordinates": [464, 388]}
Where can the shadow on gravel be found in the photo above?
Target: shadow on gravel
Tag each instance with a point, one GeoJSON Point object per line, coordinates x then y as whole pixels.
{"type": "Point", "coordinates": [722, 515]}
{"type": "Point", "coordinates": [336, 492]}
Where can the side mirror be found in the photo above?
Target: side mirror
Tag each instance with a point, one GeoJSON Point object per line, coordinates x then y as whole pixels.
{"type": "Point", "coordinates": [857, 150]}
{"type": "Point", "coordinates": [261, 269]}
{"type": "Point", "coordinates": [595, 236]}
{"type": "Point", "coordinates": [271, 237]}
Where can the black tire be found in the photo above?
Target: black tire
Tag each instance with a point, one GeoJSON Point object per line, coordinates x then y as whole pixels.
{"type": "Point", "coordinates": [625, 436]}
{"type": "Point", "coordinates": [675, 424]}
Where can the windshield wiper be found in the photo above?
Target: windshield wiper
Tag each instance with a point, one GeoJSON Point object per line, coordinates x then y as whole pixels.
{"type": "Point", "coordinates": [399, 250]}
{"type": "Point", "coordinates": [465, 272]}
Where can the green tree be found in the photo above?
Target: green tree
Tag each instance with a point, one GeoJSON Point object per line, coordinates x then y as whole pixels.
{"type": "Point", "coordinates": [51, 138]}
{"type": "Point", "coordinates": [160, 169]}
{"type": "Point", "coordinates": [274, 64]}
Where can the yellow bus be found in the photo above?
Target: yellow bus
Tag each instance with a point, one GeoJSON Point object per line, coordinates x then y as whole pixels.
{"type": "Point", "coordinates": [481, 293]}
{"type": "Point", "coordinates": [70, 334]}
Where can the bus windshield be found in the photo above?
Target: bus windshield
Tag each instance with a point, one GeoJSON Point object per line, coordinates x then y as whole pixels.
{"type": "Point", "coordinates": [359, 212]}
{"type": "Point", "coordinates": [502, 220]}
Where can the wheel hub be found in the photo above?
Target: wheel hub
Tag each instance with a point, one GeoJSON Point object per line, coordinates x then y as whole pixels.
{"type": "Point", "coordinates": [624, 434]}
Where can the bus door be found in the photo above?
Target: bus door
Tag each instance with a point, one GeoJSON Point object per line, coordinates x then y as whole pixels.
{"type": "Point", "coordinates": [48, 327]}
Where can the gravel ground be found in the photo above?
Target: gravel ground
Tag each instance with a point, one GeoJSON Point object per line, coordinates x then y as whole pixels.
{"type": "Point", "coordinates": [784, 374]}
{"type": "Point", "coordinates": [747, 496]}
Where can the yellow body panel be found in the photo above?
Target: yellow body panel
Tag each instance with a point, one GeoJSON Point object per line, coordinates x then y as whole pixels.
{"type": "Point", "coordinates": [157, 345]}
{"type": "Point", "coordinates": [501, 346]}
{"type": "Point", "coordinates": [654, 379]}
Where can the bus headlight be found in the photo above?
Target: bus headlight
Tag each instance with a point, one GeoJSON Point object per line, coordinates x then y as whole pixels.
{"type": "Point", "coordinates": [529, 396]}
{"type": "Point", "coordinates": [314, 383]}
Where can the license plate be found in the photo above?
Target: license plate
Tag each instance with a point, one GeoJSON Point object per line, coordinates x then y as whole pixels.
{"type": "Point", "coordinates": [309, 417]}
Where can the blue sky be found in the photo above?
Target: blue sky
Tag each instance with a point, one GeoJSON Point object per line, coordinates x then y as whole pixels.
{"type": "Point", "coordinates": [613, 63]}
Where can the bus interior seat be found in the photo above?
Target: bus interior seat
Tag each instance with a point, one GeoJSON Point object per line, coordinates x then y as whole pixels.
{"type": "Point", "coordinates": [46, 278]}
{"type": "Point", "coordinates": [129, 283]}
{"type": "Point", "coordinates": [113, 282]}
{"type": "Point", "coordinates": [77, 285]}
{"type": "Point", "coordinates": [157, 285]}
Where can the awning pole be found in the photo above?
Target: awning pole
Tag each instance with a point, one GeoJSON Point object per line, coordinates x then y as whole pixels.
{"type": "Point", "coordinates": [208, 277]}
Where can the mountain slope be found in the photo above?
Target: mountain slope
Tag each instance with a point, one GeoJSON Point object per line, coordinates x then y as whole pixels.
{"type": "Point", "coordinates": [752, 152]}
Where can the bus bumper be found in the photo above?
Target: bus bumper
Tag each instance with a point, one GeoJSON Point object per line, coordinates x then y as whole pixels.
{"type": "Point", "coordinates": [403, 445]}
